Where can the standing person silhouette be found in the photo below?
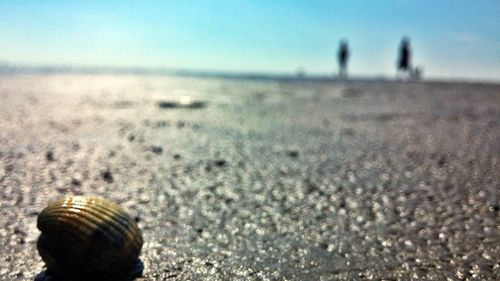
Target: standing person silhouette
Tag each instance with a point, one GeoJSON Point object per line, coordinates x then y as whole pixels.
{"type": "Point", "coordinates": [343, 56]}
{"type": "Point", "coordinates": [404, 63]}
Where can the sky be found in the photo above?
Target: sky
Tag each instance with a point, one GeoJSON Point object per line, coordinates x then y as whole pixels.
{"type": "Point", "coordinates": [449, 38]}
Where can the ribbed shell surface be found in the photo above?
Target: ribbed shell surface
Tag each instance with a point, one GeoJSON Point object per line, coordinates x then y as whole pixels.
{"type": "Point", "coordinates": [88, 236]}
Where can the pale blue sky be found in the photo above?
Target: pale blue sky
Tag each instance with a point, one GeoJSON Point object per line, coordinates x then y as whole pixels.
{"type": "Point", "coordinates": [449, 38]}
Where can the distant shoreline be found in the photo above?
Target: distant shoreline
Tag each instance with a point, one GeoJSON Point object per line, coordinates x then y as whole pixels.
{"type": "Point", "coordinates": [6, 69]}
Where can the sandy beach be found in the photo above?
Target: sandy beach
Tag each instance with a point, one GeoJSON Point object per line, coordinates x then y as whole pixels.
{"type": "Point", "coordinates": [261, 179]}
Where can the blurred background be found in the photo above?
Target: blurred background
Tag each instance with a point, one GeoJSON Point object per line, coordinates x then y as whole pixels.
{"type": "Point", "coordinates": [449, 39]}
{"type": "Point", "coordinates": [290, 173]}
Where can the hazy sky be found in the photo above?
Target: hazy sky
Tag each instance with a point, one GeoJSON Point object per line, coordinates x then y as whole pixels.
{"type": "Point", "coordinates": [449, 38]}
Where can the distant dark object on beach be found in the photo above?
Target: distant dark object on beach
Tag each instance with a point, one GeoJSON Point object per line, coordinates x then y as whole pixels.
{"type": "Point", "coordinates": [218, 163]}
{"type": "Point", "coordinates": [182, 102]}
{"type": "Point", "coordinates": [293, 153]}
{"type": "Point", "coordinates": [50, 156]}
{"type": "Point", "coordinates": [301, 73]}
{"type": "Point", "coordinates": [405, 69]}
{"type": "Point", "coordinates": [416, 73]}
{"type": "Point", "coordinates": [404, 62]}
{"type": "Point", "coordinates": [157, 149]}
{"type": "Point", "coordinates": [343, 57]}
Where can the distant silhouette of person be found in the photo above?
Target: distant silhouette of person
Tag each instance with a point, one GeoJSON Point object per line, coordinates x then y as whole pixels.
{"type": "Point", "coordinates": [343, 57]}
{"type": "Point", "coordinates": [416, 73]}
{"type": "Point", "coordinates": [404, 63]}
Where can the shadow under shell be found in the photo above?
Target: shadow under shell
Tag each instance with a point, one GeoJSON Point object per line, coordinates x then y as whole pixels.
{"type": "Point", "coordinates": [135, 272]}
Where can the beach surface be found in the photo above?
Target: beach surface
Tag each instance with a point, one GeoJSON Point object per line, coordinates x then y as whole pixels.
{"type": "Point", "coordinates": [261, 179]}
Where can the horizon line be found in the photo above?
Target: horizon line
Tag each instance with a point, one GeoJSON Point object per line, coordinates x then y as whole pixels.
{"type": "Point", "coordinates": [15, 68]}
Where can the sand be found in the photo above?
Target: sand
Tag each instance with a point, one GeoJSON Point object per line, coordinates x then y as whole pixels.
{"type": "Point", "coordinates": [261, 179]}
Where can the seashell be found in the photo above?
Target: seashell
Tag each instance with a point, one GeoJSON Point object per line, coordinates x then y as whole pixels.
{"type": "Point", "coordinates": [88, 238]}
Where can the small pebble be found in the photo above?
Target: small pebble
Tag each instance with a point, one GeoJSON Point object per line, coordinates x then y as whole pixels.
{"type": "Point", "coordinates": [442, 161]}
{"type": "Point", "coordinates": [107, 176]}
{"type": "Point", "coordinates": [157, 149]}
{"type": "Point", "coordinates": [76, 182]}
{"type": "Point", "coordinates": [220, 163]}
{"type": "Point", "coordinates": [49, 156]}
{"type": "Point", "coordinates": [293, 153]}
{"type": "Point", "coordinates": [494, 208]}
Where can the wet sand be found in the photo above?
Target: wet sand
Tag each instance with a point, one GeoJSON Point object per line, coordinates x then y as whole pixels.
{"type": "Point", "coordinates": [263, 179]}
